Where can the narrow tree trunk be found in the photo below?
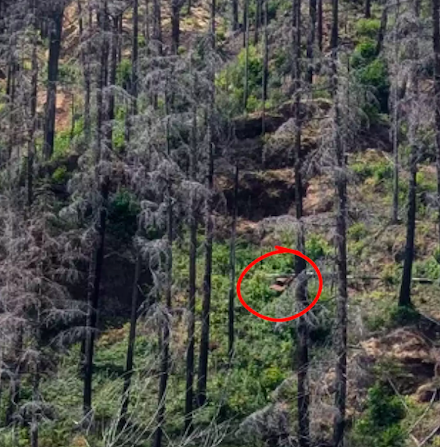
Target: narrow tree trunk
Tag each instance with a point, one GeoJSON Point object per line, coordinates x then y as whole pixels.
{"type": "Point", "coordinates": [165, 329]}
{"type": "Point", "coordinates": [311, 41]}
{"type": "Point", "coordinates": [405, 288]}
{"type": "Point", "coordinates": [209, 224]}
{"type": "Point", "coordinates": [93, 309]}
{"type": "Point", "coordinates": [436, 46]}
{"type": "Point", "coordinates": [245, 20]}
{"type": "Point", "coordinates": [235, 24]}
{"type": "Point", "coordinates": [265, 68]}
{"type": "Point", "coordinates": [157, 26]}
{"type": "Point", "coordinates": [112, 82]}
{"type": "Point", "coordinates": [395, 137]}
{"type": "Point", "coordinates": [10, 92]}
{"type": "Point", "coordinates": [367, 9]}
{"type": "Point", "coordinates": [175, 25]}
{"type": "Point", "coordinates": [146, 24]}
{"type": "Point", "coordinates": [33, 112]}
{"type": "Point", "coordinates": [382, 30]}
{"type": "Point", "coordinates": [56, 28]}
{"type": "Point", "coordinates": [257, 22]}
{"type": "Point", "coordinates": [85, 48]}
{"type": "Point", "coordinates": [120, 27]}
{"type": "Point", "coordinates": [246, 66]}
{"type": "Point", "coordinates": [134, 72]}
{"type": "Point", "coordinates": [98, 258]}
{"type": "Point", "coordinates": [231, 316]}
{"type": "Point", "coordinates": [131, 342]}
{"type": "Point", "coordinates": [341, 247]}
{"type": "Point", "coordinates": [189, 391]}
{"type": "Point", "coordinates": [319, 25]}
{"type": "Point", "coordinates": [35, 402]}
{"type": "Point", "coordinates": [302, 353]}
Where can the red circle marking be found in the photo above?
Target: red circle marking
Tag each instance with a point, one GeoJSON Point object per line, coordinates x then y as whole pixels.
{"type": "Point", "coordinates": [279, 250]}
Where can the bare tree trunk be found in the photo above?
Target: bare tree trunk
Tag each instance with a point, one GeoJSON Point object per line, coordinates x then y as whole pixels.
{"type": "Point", "coordinates": [33, 111]}
{"type": "Point", "coordinates": [320, 25]}
{"type": "Point", "coordinates": [245, 20]}
{"type": "Point", "coordinates": [85, 47]}
{"type": "Point", "coordinates": [209, 224]}
{"type": "Point", "coordinates": [112, 82]}
{"type": "Point", "coordinates": [302, 352]}
{"type": "Point", "coordinates": [103, 185]}
{"type": "Point", "coordinates": [146, 24]}
{"type": "Point", "coordinates": [165, 329]}
{"type": "Point", "coordinates": [341, 247]}
{"type": "Point", "coordinates": [246, 66]}
{"type": "Point", "coordinates": [11, 93]}
{"type": "Point", "coordinates": [93, 309]}
{"type": "Point", "coordinates": [134, 72]}
{"type": "Point", "coordinates": [367, 9]}
{"type": "Point", "coordinates": [265, 68]}
{"type": "Point", "coordinates": [235, 24]}
{"type": "Point", "coordinates": [395, 136]}
{"type": "Point", "coordinates": [55, 33]}
{"type": "Point", "coordinates": [231, 316]}
{"type": "Point", "coordinates": [157, 26]}
{"type": "Point", "coordinates": [436, 47]}
{"type": "Point", "coordinates": [35, 404]}
{"type": "Point", "coordinates": [405, 288]}
{"type": "Point", "coordinates": [311, 41]}
{"type": "Point", "coordinates": [131, 342]}
{"type": "Point", "coordinates": [382, 30]}
{"type": "Point", "coordinates": [257, 22]}
{"type": "Point", "coordinates": [189, 391]}
{"type": "Point", "coordinates": [175, 25]}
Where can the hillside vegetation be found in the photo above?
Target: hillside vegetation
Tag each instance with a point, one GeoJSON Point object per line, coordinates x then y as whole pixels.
{"type": "Point", "coordinates": [150, 151]}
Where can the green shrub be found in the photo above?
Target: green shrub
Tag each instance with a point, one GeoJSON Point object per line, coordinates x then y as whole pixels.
{"type": "Point", "coordinates": [403, 316]}
{"type": "Point", "coordinates": [380, 425]}
{"type": "Point", "coordinates": [429, 269]}
{"type": "Point", "coordinates": [60, 175]}
{"type": "Point", "coordinates": [367, 28]}
{"type": "Point", "coordinates": [123, 73]}
{"type": "Point", "coordinates": [378, 170]}
{"type": "Point", "coordinates": [123, 213]}
{"type": "Point", "coordinates": [374, 77]}
{"type": "Point", "coordinates": [357, 231]}
{"type": "Point", "coordinates": [317, 247]}
{"type": "Point", "coordinates": [371, 72]}
{"type": "Point", "coordinates": [232, 80]}
{"type": "Point", "coordinates": [363, 54]}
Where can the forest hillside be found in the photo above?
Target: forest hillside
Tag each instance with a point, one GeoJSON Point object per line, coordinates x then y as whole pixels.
{"type": "Point", "coordinates": [149, 152]}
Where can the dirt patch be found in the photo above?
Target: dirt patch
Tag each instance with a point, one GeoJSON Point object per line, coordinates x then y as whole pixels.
{"type": "Point", "coordinates": [261, 194]}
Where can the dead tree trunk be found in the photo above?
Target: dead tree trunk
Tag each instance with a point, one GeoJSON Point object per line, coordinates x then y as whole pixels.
{"type": "Point", "coordinates": [231, 316]}
{"type": "Point", "coordinates": [209, 226]}
{"type": "Point", "coordinates": [98, 258]}
{"type": "Point", "coordinates": [302, 349]}
{"type": "Point", "coordinates": [131, 341]}
{"type": "Point", "coordinates": [235, 15]}
{"type": "Point", "coordinates": [311, 41]}
{"type": "Point", "coordinates": [341, 245]}
{"type": "Point", "coordinates": [33, 111]}
{"type": "Point", "coordinates": [56, 28]}
{"type": "Point", "coordinates": [165, 332]}
{"type": "Point", "coordinates": [189, 391]}
{"type": "Point", "coordinates": [265, 68]}
{"type": "Point", "coordinates": [405, 288]}
{"type": "Point", "coordinates": [436, 46]}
